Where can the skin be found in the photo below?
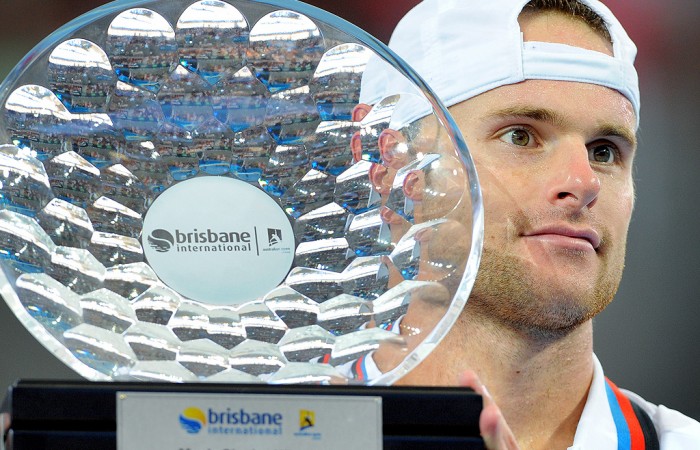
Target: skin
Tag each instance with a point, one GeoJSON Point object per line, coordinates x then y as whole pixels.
{"type": "Point", "coordinates": [4, 425]}
{"type": "Point", "coordinates": [554, 160]}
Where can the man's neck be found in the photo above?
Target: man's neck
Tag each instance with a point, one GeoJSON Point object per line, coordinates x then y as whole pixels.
{"type": "Point", "coordinates": [539, 381]}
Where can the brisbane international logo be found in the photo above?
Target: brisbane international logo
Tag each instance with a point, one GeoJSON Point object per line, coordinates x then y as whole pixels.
{"type": "Point", "coordinates": [231, 421]}
{"type": "Point", "coordinates": [188, 241]}
{"type": "Point", "coordinates": [161, 240]}
{"type": "Point", "coordinates": [192, 420]}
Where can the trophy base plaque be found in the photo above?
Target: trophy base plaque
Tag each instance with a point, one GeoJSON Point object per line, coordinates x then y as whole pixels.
{"type": "Point", "coordinates": [61, 415]}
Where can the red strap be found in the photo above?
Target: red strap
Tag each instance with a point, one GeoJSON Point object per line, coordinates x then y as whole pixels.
{"type": "Point", "coordinates": [636, 434]}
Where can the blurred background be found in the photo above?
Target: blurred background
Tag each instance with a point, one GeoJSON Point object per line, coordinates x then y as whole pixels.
{"type": "Point", "coordinates": [649, 338]}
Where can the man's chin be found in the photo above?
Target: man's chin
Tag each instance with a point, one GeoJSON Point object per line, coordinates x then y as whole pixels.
{"type": "Point", "coordinates": [510, 293]}
{"type": "Point", "coordinates": [537, 318]}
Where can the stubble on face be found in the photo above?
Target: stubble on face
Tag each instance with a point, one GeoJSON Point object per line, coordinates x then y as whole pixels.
{"type": "Point", "coordinates": [509, 290]}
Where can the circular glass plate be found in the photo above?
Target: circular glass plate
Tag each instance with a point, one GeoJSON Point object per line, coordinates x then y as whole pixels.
{"type": "Point", "coordinates": [231, 192]}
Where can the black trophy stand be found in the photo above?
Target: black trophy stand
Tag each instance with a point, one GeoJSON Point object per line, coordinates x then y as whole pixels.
{"type": "Point", "coordinates": [69, 415]}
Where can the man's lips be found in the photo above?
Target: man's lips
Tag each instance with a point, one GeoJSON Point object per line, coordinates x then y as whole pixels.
{"type": "Point", "coordinates": [564, 234]}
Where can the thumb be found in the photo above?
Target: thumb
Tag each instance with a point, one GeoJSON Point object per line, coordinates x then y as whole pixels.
{"type": "Point", "coordinates": [494, 430]}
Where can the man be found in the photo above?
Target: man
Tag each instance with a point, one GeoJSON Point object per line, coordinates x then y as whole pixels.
{"type": "Point", "coordinates": [546, 96]}
{"type": "Point", "coordinates": [554, 154]}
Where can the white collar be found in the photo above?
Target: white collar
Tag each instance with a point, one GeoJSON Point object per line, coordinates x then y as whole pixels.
{"type": "Point", "coordinates": [596, 429]}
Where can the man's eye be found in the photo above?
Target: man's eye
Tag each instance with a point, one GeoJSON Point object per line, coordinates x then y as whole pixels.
{"type": "Point", "coordinates": [519, 137]}
{"type": "Point", "coordinates": [603, 153]}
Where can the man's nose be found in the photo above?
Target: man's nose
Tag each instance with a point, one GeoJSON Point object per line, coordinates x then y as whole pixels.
{"type": "Point", "coordinates": [575, 184]}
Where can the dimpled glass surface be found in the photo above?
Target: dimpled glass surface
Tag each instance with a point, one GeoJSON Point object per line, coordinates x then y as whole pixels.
{"type": "Point", "coordinates": [131, 99]}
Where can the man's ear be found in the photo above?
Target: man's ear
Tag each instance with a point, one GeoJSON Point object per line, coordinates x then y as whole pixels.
{"type": "Point", "coordinates": [356, 146]}
{"type": "Point", "coordinates": [360, 111]}
{"type": "Point", "coordinates": [413, 185]}
{"type": "Point", "coordinates": [392, 152]}
{"type": "Point", "coordinates": [377, 175]}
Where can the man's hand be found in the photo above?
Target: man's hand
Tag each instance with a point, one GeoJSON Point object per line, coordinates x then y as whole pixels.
{"type": "Point", "coordinates": [4, 426]}
{"type": "Point", "coordinates": [492, 425]}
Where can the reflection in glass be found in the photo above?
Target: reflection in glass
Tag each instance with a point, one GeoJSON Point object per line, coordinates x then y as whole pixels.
{"type": "Point", "coordinates": [307, 344]}
{"type": "Point", "coordinates": [353, 189]}
{"type": "Point", "coordinates": [344, 314]}
{"type": "Point", "coordinates": [25, 184]}
{"type": "Point", "coordinates": [307, 373]}
{"type": "Point", "coordinates": [322, 223]}
{"type": "Point", "coordinates": [66, 224]}
{"type": "Point", "coordinates": [76, 269]}
{"type": "Point", "coordinates": [53, 305]}
{"type": "Point", "coordinates": [159, 371]}
{"type": "Point", "coordinates": [156, 305]}
{"type": "Point", "coordinates": [295, 310]}
{"type": "Point", "coordinates": [257, 358]}
{"type": "Point", "coordinates": [25, 244]}
{"type": "Point", "coordinates": [285, 48]}
{"type": "Point", "coordinates": [211, 37]}
{"type": "Point", "coordinates": [152, 342]}
{"type": "Point", "coordinates": [366, 277]}
{"type": "Point", "coordinates": [356, 345]}
{"type": "Point", "coordinates": [336, 80]}
{"type": "Point", "coordinates": [202, 357]}
{"type": "Point", "coordinates": [99, 349]}
{"type": "Point", "coordinates": [105, 309]}
{"type": "Point", "coordinates": [81, 76]}
{"type": "Point", "coordinates": [141, 47]}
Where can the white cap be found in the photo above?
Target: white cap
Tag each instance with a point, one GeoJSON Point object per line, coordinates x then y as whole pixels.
{"type": "Point", "coordinates": [463, 48]}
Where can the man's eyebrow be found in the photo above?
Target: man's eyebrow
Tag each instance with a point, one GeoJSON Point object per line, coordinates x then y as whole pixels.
{"type": "Point", "coordinates": [554, 118]}
{"type": "Point", "coordinates": [526, 112]}
{"type": "Point", "coordinates": [623, 133]}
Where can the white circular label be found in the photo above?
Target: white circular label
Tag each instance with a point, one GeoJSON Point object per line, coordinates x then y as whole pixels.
{"type": "Point", "coordinates": [218, 240]}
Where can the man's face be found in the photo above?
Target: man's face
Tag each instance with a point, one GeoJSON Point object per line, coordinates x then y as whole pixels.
{"type": "Point", "coordinates": [554, 160]}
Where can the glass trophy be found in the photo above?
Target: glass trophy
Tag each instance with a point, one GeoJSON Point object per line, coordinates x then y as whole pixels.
{"type": "Point", "coordinates": [231, 192]}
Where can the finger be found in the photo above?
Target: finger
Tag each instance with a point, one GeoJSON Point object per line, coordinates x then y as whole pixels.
{"type": "Point", "coordinates": [4, 426]}
{"type": "Point", "coordinates": [494, 430]}
{"type": "Point", "coordinates": [469, 379]}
